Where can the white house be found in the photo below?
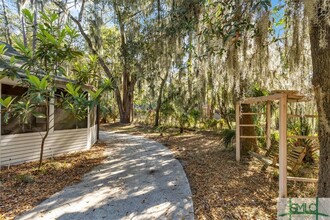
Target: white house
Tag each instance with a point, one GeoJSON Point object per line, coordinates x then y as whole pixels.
{"type": "Point", "coordinates": [22, 144]}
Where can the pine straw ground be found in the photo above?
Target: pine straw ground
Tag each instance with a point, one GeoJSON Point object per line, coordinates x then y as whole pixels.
{"type": "Point", "coordinates": [24, 186]}
{"type": "Point", "coordinates": [221, 188]}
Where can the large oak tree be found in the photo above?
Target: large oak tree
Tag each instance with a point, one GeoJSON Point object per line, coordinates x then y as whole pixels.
{"type": "Point", "coordinates": [320, 49]}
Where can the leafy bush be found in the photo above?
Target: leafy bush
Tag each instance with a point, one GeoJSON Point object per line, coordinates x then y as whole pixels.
{"type": "Point", "coordinates": [211, 123]}
{"type": "Point", "coordinates": [227, 136]}
{"type": "Point", "coordinates": [257, 91]}
{"type": "Point", "coordinates": [195, 115]}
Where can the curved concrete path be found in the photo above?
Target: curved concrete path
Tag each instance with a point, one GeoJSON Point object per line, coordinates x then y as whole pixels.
{"type": "Point", "coordinates": [140, 179]}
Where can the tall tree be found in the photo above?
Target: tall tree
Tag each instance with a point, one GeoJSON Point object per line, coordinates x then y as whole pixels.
{"type": "Point", "coordinates": [20, 6]}
{"type": "Point", "coordinates": [320, 49]}
{"type": "Point", "coordinates": [5, 18]}
{"type": "Point", "coordinates": [128, 82]}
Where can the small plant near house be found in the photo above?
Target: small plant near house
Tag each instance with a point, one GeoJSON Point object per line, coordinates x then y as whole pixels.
{"type": "Point", "coordinates": [24, 178]}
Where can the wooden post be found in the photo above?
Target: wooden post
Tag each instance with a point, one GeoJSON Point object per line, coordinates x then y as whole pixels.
{"type": "Point", "coordinates": [98, 122]}
{"type": "Point", "coordinates": [268, 125]}
{"type": "Point", "coordinates": [0, 124]}
{"type": "Point", "coordinates": [283, 147]}
{"type": "Point", "coordinates": [238, 142]}
{"type": "Point", "coordinates": [89, 138]}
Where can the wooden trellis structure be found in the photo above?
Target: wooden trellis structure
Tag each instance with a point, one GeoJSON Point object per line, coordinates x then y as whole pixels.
{"type": "Point", "coordinates": [284, 97]}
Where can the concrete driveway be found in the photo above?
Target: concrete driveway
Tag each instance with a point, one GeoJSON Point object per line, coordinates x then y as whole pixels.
{"type": "Point", "coordinates": [140, 179]}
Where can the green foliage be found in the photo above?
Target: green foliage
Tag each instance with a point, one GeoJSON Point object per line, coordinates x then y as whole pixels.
{"type": "Point", "coordinates": [43, 65]}
{"type": "Point", "coordinates": [40, 90]}
{"type": "Point", "coordinates": [95, 95]}
{"type": "Point", "coordinates": [22, 110]}
{"type": "Point", "coordinates": [275, 139]}
{"type": "Point", "coordinates": [227, 136]}
{"type": "Point", "coordinates": [299, 127]}
{"type": "Point", "coordinates": [211, 123]}
{"type": "Point", "coordinates": [75, 101]}
{"type": "Point", "coordinates": [28, 15]}
{"type": "Point", "coordinates": [24, 50]}
{"type": "Point", "coordinates": [6, 102]}
{"type": "Point", "coordinates": [195, 115]}
{"type": "Point", "coordinates": [24, 178]}
{"type": "Point", "coordinates": [258, 91]}
{"type": "Point", "coordinates": [108, 112]}
{"type": "Point", "coordinates": [3, 49]}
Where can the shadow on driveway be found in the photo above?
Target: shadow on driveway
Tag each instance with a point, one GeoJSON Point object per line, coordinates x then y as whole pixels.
{"type": "Point", "coordinates": [140, 179]}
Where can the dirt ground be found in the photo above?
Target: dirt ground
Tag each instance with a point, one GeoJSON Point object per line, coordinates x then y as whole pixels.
{"type": "Point", "coordinates": [222, 188]}
{"type": "Point", "coordinates": [24, 186]}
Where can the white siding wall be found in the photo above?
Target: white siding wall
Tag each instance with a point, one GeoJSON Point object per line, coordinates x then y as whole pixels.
{"type": "Point", "coordinates": [19, 148]}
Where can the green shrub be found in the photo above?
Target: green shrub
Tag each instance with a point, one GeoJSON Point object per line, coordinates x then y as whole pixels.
{"type": "Point", "coordinates": [24, 178]}
{"type": "Point", "coordinates": [227, 136]}
{"type": "Point", "coordinates": [211, 123]}
{"type": "Point", "coordinates": [195, 115]}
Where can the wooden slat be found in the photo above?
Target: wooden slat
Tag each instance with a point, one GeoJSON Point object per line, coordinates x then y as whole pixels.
{"type": "Point", "coordinates": [238, 141]}
{"type": "Point", "coordinates": [268, 125]}
{"type": "Point", "coordinates": [254, 100]}
{"type": "Point", "coordinates": [252, 136]}
{"type": "Point", "coordinates": [301, 179]}
{"type": "Point", "coordinates": [297, 151]}
{"type": "Point", "coordinates": [294, 98]}
{"type": "Point", "coordinates": [295, 156]}
{"type": "Point", "coordinates": [293, 160]}
{"type": "Point", "coordinates": [302, 116]}
{"type": "Point", "coordinates": [302, 137]}
{"type": "Point", "coordinates": [251, 125]}
{"type": "Point", "coordinates": [283, 146]}
{"type": "Point", "coordinates": [252, 113]}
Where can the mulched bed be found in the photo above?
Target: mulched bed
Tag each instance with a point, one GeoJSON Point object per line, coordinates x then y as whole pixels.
{"type": "Point", "coordinates": [222, 188]}
{"type": "Point", "coordinates": [24, 186]}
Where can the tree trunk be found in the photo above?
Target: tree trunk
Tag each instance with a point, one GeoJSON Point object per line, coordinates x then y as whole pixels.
{"type": "Point", "coordinates": [20, 5]}
{"type": "Point", "coordinates": [45, 136]}
{"type": "Point", "coordinates": [127, 85]}
{"type": "Point", "coordinates": [23, 30]}
{"type": "Point", "coordinates": [101, 61]}
{"type": "Point", "coordinates": [35, 25]}
{"type": "Point", "coordinates": [321, 83]}
{"type": "Point", "coordinates": [248, 144]}
{"type": "Point", "coordinates": [159, 100]}
{"type": "Point", "coordinates": [222, 112]}
{"type": "Point", "coordinates": [81, 10]}
{"type": "Point", "coordinates": [8, 38]}
{"type": "Point", "coordinates": [125, 118]}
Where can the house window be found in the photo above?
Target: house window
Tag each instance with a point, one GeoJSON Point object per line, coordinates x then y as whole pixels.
{"type": "Point", "coordinates": [13, 126]}
{"type": "Point", "coordinates": [63, 119]}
